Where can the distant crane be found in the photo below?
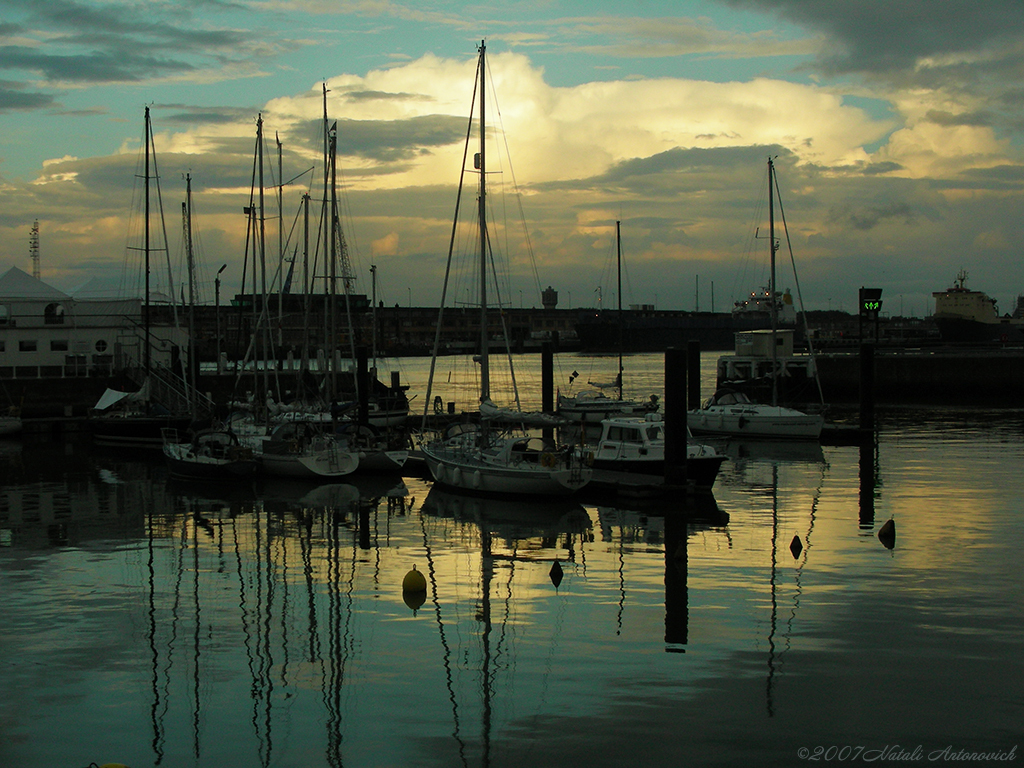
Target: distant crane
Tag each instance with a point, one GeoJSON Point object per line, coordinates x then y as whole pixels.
{"type": "Point", "coordinates": [33, 248]}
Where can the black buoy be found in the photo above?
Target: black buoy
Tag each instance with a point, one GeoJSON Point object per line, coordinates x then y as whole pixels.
{"type": "Point", "coordinates": [556, 573]}
{"type": "Point", "coordinates": [796, 547]}
{"type": "Point", "coordinates": [887, 534]}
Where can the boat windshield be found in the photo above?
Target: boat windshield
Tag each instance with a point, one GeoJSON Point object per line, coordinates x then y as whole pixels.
{"type": "Point", "coordinates": [729, 397]}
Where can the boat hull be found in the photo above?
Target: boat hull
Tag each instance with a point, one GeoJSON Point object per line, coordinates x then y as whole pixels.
{"type": "Point", "coordinates": [701, 471]}
{"type": "Point", "coordinates": [466, 474]}
{"type": "Point", "coordinates": [958, 329]}
{"type": "Point", "coordinates": [765, 422]}
{"type": "Point", "coordinates": [191, 468]}
{"type": "Point", "coordinates": [10, 425]}
{"type": "Point", "coordinates": [317, 463]}
{"type": "Point", "coordinates": [137, 432]}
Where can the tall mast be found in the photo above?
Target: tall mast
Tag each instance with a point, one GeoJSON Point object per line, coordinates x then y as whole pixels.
{"type": "Point", "coordinates": [771, 282]}
{"type": "Point", "coordinates": [333, 271]}
{"type": "Point", "coordinates": [373, 315]}
{"type": "Point", "coordinates": [186, 208]}
{"type": "Point", "coordinates": [145, 305]}
{"type": "Point", "coordinates": [618, 258]}
{"type": "Point", "coordinates": [485, 373]}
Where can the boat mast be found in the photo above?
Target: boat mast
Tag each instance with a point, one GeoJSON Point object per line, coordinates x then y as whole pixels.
{"type": "Point", "coordinates": [485, 384]}
{"type": "Point", "coordinates": [373, 316]}
{"type": "Point", "coordinates": [774, 312]}
{"type": "Point", "coordinates": [145, 314]}
{"type": "Point", "coordinates": [618, 257]}
{"type": "Point", "coordinates": [186, 209]}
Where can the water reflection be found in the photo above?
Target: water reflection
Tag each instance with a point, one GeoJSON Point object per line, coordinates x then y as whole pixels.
{"type": "Point", "coordinates": [180, 624]}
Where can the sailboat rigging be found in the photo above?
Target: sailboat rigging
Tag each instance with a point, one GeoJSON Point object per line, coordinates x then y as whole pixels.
{"type": "Point", "coordinates": [730, 411]}
{"type": "Point", "coordinates": [594, 405]}
{"type": "Point", "coordinates": [164, 399]}
{"type": "Point", "coordinates": [484, 459]}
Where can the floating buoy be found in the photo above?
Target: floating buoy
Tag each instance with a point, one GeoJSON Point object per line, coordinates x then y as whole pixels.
{"type": "Point", "coordinates": [414, 581]}
{"type": "Point", "coordinates": [887, 534]}
{"type": "Point", "coordinates": [796, 547]}
{"type": "Point", "coordinates": [556, 573]}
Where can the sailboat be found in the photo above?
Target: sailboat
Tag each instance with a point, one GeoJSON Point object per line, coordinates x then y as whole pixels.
{"type": "Point", "coordinates": [594, 405]}
{"type": "Point", "coordinates": [731, 411]}
{"type": "Point", "coordinates": [482, 458]}
{"type": "Point", "coordinates": [164, 400]}
{"type": "Point", "coordinates": [304, 445]}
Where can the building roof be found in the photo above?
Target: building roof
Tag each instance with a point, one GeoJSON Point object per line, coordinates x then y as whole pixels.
{"type": "Point", "coordinates": [18, 284]}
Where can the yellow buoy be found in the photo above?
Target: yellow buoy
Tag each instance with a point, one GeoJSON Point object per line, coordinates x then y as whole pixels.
{"type": "Point", "coordinates": [414, 581]}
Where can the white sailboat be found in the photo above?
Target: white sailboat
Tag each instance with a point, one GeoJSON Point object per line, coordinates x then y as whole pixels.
{"type": "Point", "coordinates": [594, 405]}
{"type": "Point", "coordinates": [300, 447]}
{"type": "Point", "coordinates": [483, 458]}
{"type": "Point", "coordinates": [733, 413]}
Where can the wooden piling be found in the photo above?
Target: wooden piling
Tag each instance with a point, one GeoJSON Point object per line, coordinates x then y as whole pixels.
{"type": "Point", "coordinates": [675, 417]}
{"type": "Point", "coordinates": [867, 387]}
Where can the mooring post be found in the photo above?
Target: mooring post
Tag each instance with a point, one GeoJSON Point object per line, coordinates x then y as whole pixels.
{"type": "Point", "coordinates": [677, 602]}
{"type": "Point", "coordinates": [867, 388]}
{"type": "Point", "coordinates": [547, 384]}
{"type": "Point", "coordinates": [692, 375]}
{"type": "Point", "coordinates": [675, 416]}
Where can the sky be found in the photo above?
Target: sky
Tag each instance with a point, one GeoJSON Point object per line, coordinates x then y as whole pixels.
{"type": "Point", "coordinates": [895, 128]}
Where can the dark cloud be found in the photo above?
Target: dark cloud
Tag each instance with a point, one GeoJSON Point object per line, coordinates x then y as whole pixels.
{"type": "Point", "coordinates": [948, 119]}
{"type": "Point", "coordinates": [14, 96]}
{"type": "Point", "coordinates": [882, 37]}
{"type": "Point", "coordinates": [190, 115]}
{"type": "Point", "coordinates": [391, 140]}
{"type": "Point", "coordinates": [118, 43]}
{"type": "Point", "coordinates": [877, 169]}
{"type": "Point", "coordinates": [868, 217]}
{"type": "Point", "coordinates": [382, 96]}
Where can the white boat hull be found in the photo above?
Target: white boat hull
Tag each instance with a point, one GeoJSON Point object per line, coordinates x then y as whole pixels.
{"type": "Point", "coordinates": [466, 472]}
{"type": "Point", "coordinates": [762, 421]}
{"type": "Point", "coordinates": [317, 462]}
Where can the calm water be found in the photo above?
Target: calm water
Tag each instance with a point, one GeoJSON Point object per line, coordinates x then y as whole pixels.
{"type": "Point", "coordinates": [149, 622]}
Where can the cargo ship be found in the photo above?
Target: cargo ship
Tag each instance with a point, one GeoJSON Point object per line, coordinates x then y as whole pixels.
{"type": "Point", "coordinates": [963, 315]}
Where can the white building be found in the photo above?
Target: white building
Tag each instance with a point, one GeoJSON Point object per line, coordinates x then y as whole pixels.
{"type": "Point", "coordinates": [45, 333]}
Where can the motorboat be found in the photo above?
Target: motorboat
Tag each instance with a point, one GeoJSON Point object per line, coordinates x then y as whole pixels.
{"type": "Point", "coordinates": [637, 444]}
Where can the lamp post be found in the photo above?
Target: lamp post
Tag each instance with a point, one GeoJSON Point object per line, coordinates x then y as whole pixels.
{"type": "Point", "coordinates": [216, 303]}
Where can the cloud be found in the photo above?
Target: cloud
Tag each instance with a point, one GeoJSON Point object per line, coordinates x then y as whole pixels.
{"type": "Point", "coordinates": [14, 96]}
{"type": "Point", "coordinates": [877, 37]}
{"type": "Point", "coordinates": [64, 42]}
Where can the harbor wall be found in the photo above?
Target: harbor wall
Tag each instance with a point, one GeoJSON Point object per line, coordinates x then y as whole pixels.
{"type": "Point", "coordinates": [985, 377]}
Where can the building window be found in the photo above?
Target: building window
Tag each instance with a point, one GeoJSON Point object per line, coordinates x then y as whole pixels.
{"type": "Point", "coordinates": [53, 314]}
{"type": "Point", "coordinates": [101, 346]}
{"type": "Point", "coordinates": [27, 346]}
{"type": "Point", "coordinates": [5, 314]}
{"type": "Point", "coordinates": [59, 345]}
